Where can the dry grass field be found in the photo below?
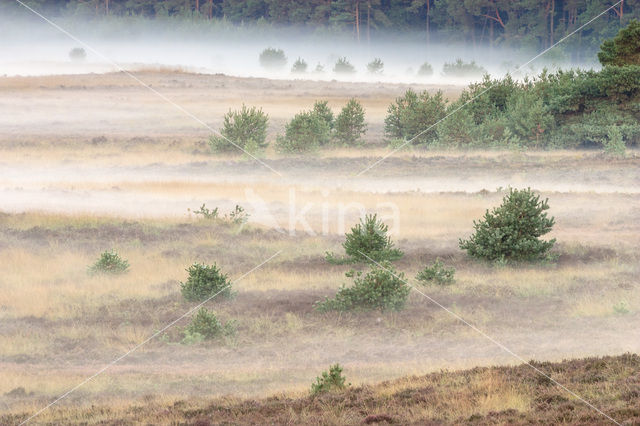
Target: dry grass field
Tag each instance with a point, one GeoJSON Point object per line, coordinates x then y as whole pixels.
{"type": "Point", "coordinates": [93, 163]}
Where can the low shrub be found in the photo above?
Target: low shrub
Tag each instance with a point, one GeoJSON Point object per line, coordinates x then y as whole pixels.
{"type": "Point", "coordinates": [425, 70]}
{"type": "Point", "coordinates": [412, 115]}
{"type": "Point", "coordinates": [305, 132]}
{"type": "Point", "coordinates": [460, 69]}
{"type": "Point", "coordinates": [245, 129]}
{"type": "Point", "coordinates": [512, 230]}
{"type": "Point", "coordinates": [367, 241]}
{"type": "Point", "coordinates": [381, 288]}
{"type": "Point", "coordinates": [204, 282]}
{"type": "Point", "coordinates": [273, 59]}
{"type": "Point", "coordinates": [330, 381]}
{"type": "Point", "coordinates": [77, 54]}
{"type": "Point", "coordinates": [109, 262]}
{"type": "Point", "coordinates": [343, 66]}
{"type": "Point", "coordinates": [205, 325]}
{"type": "Point", "coordinates": [322, 110]}
{"type": "Point", "coordinates": [437, 273]}
{"type": "Point", "coordinates": [350, 125]}
{"type": "Point", "coordinates": [299, 66]}
{"type": "Point", "coordinates": [614, 144]}
{"type": "Point", "coordinates": [237, 216]}
{"type": "Point", "coordinates": [206, 213]}
{"type": "Point", "coordinates": [376, 66]}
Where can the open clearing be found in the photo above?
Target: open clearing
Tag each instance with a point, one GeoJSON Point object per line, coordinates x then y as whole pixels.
{"type": "Point", "coordinates": [96, 162]}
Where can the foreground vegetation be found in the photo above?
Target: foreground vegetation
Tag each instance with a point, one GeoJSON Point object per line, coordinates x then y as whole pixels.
{"type": "Point", "coordinates": [496, 395]}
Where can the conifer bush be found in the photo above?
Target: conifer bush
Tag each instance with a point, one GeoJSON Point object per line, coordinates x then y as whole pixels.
{"type": "Point", "coordinates": [382, 288]}
{"type": "Point", "coordinates": [425, 70]}
{"type": "Point", "coordinates": [413, 114]}
{"type": "Point", "coordinates": [205, 281]}
{"type": "Point", "coordinates": [512, 231]}
{"type": "Point", "coordinates": [376, 66]}
{"type": "Point", "coordinates": [109, 262]}
{"type": "Point", "coordinates": [460, 69]}
{"type": "Point", "coordinates": [367, 241]}
{"type": "Point", "coordinates": [245, 128]}
{"type": "Point", "coordinates": [343, 66]}
{"type": "Point", "coordinates": [299, 66]}
{"type": "Point", "coordinates": [322, 110]}
{"type": "Point", "coordinates": [437, 273]}
{"type": "Point", "coordinates": [273, 59]}
{"type": "Point", "coordinates": [305, 132]}
{"type": "Point", "coordinates": [330, 381]}
{"type": "Point", "coordinates": [350, 125]}
{"type": "Point", "coordinates": [77, 54]}
{"type": "Point", "coordinates": [205, 325]}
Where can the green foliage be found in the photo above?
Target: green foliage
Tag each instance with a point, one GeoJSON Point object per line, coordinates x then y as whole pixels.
{"type": "Point", "coordinates": [330, 381]}
{"type": "Point", "coordinates": [299, 66]}
{"type": "Point", "coordinates": [207, 213]}
{"type": "Point", "coordinates": [528, 118]}
{"type": "Point", "coordinates": [237, 216]}
{"type": "Point", "coordinates": [511, 231]}
{"type": "Point", "coordinates": [205, 325]}
{"type": "Point", "coordinates": [273, 59]}
{"type": "Point", "coordinates": [246, 129]}
{"type": "Point", "coordinates": [343, 66]}
{"type": "Point", "coordinates": [109, 262]}
{"type": "Point", "coordinates": [381, 288]}
{"type": "Point", "coordinates": [205, 281]}
{"type": "Point", "coordinates": [412, 115]}
{"type": "Point", "coordinates": [425, 70]}
{"type": "Point", "coordinates": [624, 49]}
{"type": "Point", "coordinates": [322, 110]}
{"type": "Point", "coordinates": [350, 125]}
{"type": "Point", "coordinates": [614, 145]}
{"type": "Point", "coordinates": [368, 241]}
{"type": "Point", "coordinates": [305, 132]}
{"type": "Point", "coordinates": [376, 66]}
{"type": "Point", "coordinates": [77, 54]}
{"type": "Point", "coordinates": [437, 273]}
{"type": "Point", "coordinates": [461, 69]}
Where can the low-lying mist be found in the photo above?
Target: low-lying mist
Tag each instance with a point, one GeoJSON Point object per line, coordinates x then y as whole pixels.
{"type": "Point", "coordinates": [34, 47]}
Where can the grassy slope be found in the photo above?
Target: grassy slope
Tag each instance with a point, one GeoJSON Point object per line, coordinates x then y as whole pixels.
{"type": "Point", "coordinates": [478, 396]}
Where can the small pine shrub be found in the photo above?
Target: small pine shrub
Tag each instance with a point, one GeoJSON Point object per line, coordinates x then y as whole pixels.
{"type": "Point", "coordinates": [512, 230]}
{"type": "Point", "coordinates": [299, 66]}
{"type": "Point", "coordinates": [245, 129]}
{"type": "Point", "coordinates": [425, 70]}
{"type": "Point", "coordinates": [207, 213]}
{"type": "Point", "coordinates": [461, 69]}
{"type": "Point", "coordinates": [319, 69]}
{"type": "Point", "coordinates": [205, 281]}
{"type": "Point", "coordinates": [237, 216]}
{"type": "Point", "coordinates": [437, 273]}
{"type": "Point", "coordinates": [376, 66]}
{"type": "Point", "coordinates": [350, 125]}
{"type": "Point", "coordinates": [614, 145]}
{"type": "Point", "coordinates": [273, 59]}
{"type": "Point", "coordinates": [77, 54]}
{"type": "Point", "coordinates": [343, 66]}
{"type": "Point", "coordinates": [305, 132]}
{"type": "Point", "coordinates": [412, 116]}
{"type": "Point", "coordinates": [205, 325]}
{"type": "Point", "coordinates": [330, 381]}
{"type": "Point", "coordinates": [109, 262]}
{"type": "Point", "coordinates": [368, 240]}
{"type": "Point", "coordinates": [322, 110]}
{"type": "Point", "coordinates": [381, 288]}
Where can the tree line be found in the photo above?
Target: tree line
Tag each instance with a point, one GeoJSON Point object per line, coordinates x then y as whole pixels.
{"type": "Point", "coordinates": [534, 24]}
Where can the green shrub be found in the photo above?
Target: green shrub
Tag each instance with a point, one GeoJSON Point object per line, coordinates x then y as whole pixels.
{"type": "Point", "coordinates": [237, 216]}
{"type": "Point", "coordinates": [245, 129]}
{"type": "Point", "coordinates": [412, 114]}
{"type": "Point", "coordinates": [461, 69]}
{"type": "Point", "coordinates": [306, 131]}
{"type": "Point", "coordinates": [329, 381]}
{"type": "Point", "coordinates": [205, 281]}
{"type": "Point", "coordinates": [381, 288]}
{"type": "Point", "coordinates": [207, 213]}
{"type": "Point", "coordinates": [350, 125]}
{"type": "Point", "coordinates": [614, 145]}
{"type": "Point", "coordinates": [77, 54]}
{"type": "Point", "coordinates": [109, 262]}
{"type": "Point", "coordinates": [624, 48]}
{"type": "Point", "coordinates": [512, 230]}
{"type": "Point", "coordinates": [273, 59]}
{"type": "Point", "coordinates": [367, 241]}
{"type": "Point", "coordinates": [425, 70]}
{"type": "Point", "coordinates": [319, 69]}
{"type": "Point", "coordinates": [205, 325]}
{"type": "Point", "coordinates": [343, 66]}
{"type": "Point", "coordinates": [322, 110]}
{"type": "Point", "coordinates": [437, 273]}
{"type": "Point", "coordinates": [299, 66]}
{"type": "Point", "coordinates": [376, 66]}
{"type": "Point", "coordinates": [528, 118]}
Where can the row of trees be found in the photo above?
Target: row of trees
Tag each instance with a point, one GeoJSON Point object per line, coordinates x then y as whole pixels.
{"type": "Point", "coordinates": [518, 23]}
